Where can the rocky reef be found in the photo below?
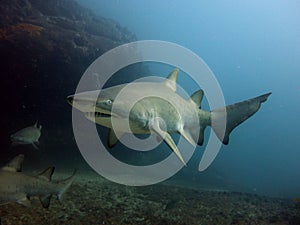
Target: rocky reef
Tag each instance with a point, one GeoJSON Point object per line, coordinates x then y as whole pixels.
{"type": "Point", "coordinates": [60, 26]}
{"type": "Point", "coordinates": [45, 48]}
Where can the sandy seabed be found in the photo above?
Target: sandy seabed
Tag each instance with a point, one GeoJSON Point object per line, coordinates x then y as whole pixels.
{"type": "Point", "coordinates": [94, 200]}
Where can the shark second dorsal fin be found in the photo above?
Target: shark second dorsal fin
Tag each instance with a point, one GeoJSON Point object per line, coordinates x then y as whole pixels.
{"type": "Point", "coordinates": [15, 165]}
{"type": "Point", "coordinates": [197, 97]}
{"type": "Point", "coordinates": [172, 79]}
{"type": "Point", "coordinates": [47, 173]}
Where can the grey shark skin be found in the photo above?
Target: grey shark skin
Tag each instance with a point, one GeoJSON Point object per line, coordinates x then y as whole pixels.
{"type": "Point", "coordinates": [161, 115]}
{"type": "Point", "coordinates": [16, 186]}
{"type": "Point", "coordinates": [27, 135]}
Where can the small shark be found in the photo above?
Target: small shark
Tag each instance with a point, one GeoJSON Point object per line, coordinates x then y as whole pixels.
{"type": "Point", "coordinates": [16, 186]}
{"type": "Point", "coordinates": [28, 135]}
{"type": "Point", "coordinates": [162, 116]}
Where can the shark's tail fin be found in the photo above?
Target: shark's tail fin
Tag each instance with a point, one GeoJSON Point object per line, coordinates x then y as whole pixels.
{"type": "Point", "coordinates": [224, 120]}
{"type": "Point", "coordinates": [64, 185]}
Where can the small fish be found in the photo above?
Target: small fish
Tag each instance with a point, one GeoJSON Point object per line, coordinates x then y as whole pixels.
{"type": "Point", "coordinates": [16, 186]}
{"type": "Point", "coordinates": [28, 135]}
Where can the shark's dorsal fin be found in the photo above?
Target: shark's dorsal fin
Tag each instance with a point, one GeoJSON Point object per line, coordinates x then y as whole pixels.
{"type": "Point", "coordinates": [47, 173]}
{"type": "Point", "coordinates": [197, 97]}
{"type": "Point", "coordinates": [37, 126]}
{"type": "Point", "coordinates": [15, 165]}
{"type": "Point", "coordinates": [172, 79]}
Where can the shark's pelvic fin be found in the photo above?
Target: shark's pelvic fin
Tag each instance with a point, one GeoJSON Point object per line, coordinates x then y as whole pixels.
{"type": "Point", "coordinates": [154, 126]}
{"type": "Point", "coordinates": [197, 98]}
{"type": "Point", "coordinates": [45, 200]}
{"type": "Point", "coordinates": [186, 134]}
{"type": "Point", "coordinates": [47, 173]}
{"type": "Point", "coordinates": [15, 165]}
{"type": "Point", "coordinates": [172, 79]}
{"type": "Point", "coordinates": [235, 115]}
{"type": "Point", "coordinates": [113, 138]}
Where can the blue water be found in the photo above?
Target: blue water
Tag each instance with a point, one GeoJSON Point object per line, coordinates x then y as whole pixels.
{"type": "Point", "coordinates": [252, 47]}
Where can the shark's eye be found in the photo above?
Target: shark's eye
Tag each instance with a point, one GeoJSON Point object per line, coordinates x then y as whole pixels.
{"type": "Point", "coordinates": [108, 101]}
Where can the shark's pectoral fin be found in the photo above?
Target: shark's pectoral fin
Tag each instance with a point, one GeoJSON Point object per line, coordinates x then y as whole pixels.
{"type": "Point", "coordinates": [45, 200]}
{"type": "Point", "coordinates": [113, 138]}
{"type": "Point", "coordinates": [166, 137]}
{"type": "Point", "coordinates": [23, 200]}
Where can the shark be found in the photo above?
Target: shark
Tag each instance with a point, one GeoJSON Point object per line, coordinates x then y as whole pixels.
{"type": "Point", "coordinates": [27, 135]}
{"type": "Point", "coordinates": [162, 115]}
{"type": "Point", "coordinates": [16, 186]}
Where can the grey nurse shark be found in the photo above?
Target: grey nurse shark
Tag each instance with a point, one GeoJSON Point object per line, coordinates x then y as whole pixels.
{"type": "Point", "coordinates": [169, 113]}
{"type": "Point", "coordinates": [16, 186]}
{"type": "Point", "coordinates": [27, 135]}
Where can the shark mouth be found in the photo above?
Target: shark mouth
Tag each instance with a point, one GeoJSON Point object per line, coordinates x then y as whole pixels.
{"type": "Point", "coordinates": [97, 114]}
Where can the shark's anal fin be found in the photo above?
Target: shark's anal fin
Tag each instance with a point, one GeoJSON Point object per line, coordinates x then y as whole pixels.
{"type": "Point", "coordinates": [15, 165]}
{"type": "Point", "coordinates": [113, 138]}
{"type": "Point", "coordinates": [198, 135]}
{"type": "Point", "coordinates": [154, 126]}
{"type": "Point", "coordinates": [45, 200]}
{"type": "Point", "coordinates": [235, 115]}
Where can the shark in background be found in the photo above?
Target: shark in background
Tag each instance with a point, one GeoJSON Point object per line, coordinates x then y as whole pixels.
{"type": "Point", "coordinates": [27, 135]}
{"type": "Point", "coordinates": [16, 186]}
{"type": "Point", "coordinates": [178, 115]}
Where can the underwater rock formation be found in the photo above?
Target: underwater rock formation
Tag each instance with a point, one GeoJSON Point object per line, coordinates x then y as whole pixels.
{"type": "Point", "coordinates": [59, 29]}
{"type": "Point", "coordinates": [45, 48]}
